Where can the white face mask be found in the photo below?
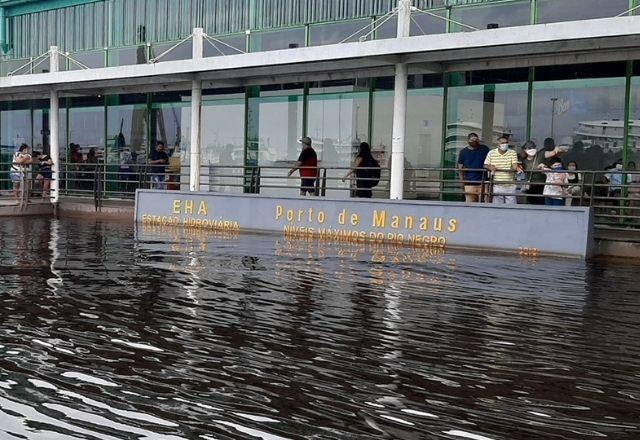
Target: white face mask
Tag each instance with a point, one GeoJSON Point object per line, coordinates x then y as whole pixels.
{"type": "Point", "coordinates": [532, 152]}
{"type": "Point", "coordinates": [619, 167]}
{"type": "Point", "coordinates": [504, 147]}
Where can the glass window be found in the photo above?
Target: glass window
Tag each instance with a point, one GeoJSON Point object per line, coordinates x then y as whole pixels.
{"type": "Point", "coordinates": [490, 110]}
{"type": "Point", "coordinates": [15, 124]}
{"type": "Point", "coordinates": [221, 46]}
{"type": "Point", "coordinates": [584, 115]}
{"type": "Point", "coordinates": [274, 40]}
{"type": "Point", "coordinates": [223, 133]}
{"type": "Point", "coordinates": [15, 129]}
{"type": "Point", "coordinates": [126, 56]}
{"type": "Point", "coordinates": [550, 11]}
{"type": "Point", "coordinates": [126, 141]}
{"type": "Point", "coordinates": [92, 60]}
{"type": "Point", "coordinates": [492, 15]}
{"type": "Point", "coordinates": [333, 33]}
{"type": "Point", "coordinates": [634, 122]}
{"type": "Point", "coordinates": [126, 130]}
{"type": "Point", "coordinates": [337, 124]}
{"type": "Point", "coordinates": [426, 24]}
{"type": "Point", "coordinates": [171, 124]}
{"type": "Point", "coordinates": [183, 51]}
{"type": "Point", "coordinates": [423, 141]}
{"type": "Point", "coordinates": [87, 125]}
{"type": "Point", "coordinates": [20, 67]}
{"type": "Point", "coordinates": [274, 126]}
{"type": "Point", "coordinates": [41, 129]}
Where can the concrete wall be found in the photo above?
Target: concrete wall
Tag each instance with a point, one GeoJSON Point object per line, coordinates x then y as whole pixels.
{"type": "Point", "coordinates": [527, 230]}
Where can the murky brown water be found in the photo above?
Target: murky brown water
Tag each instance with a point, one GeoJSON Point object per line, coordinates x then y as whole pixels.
{"type": "Point", "coordinates": [103, 336]}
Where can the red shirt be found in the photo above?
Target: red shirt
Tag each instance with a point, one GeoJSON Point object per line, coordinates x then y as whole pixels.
{"type": "Point", "coordinates": [308, 158]}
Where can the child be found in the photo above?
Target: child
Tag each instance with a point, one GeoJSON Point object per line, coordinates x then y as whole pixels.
{"type": "Point", "coordinates": [556, 184]}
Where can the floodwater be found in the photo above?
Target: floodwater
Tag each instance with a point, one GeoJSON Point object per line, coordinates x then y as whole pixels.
{"type": "Point", "coordinates": [111, 333]}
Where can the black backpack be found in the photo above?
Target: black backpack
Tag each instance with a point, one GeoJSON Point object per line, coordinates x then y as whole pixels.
{"type": "Point", "coordinates": [374, 172]}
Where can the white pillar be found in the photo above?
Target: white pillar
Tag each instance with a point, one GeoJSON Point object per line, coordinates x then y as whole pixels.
{"type": "Point", "coordinates": [54, 144]}
{"type": "Point", "coordinates": [400, 108]}
{"type": "Point", "coordinates": [196, 106]}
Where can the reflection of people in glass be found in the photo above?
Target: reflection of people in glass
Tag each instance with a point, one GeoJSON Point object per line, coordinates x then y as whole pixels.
{"type": "Point", "coordinates": [158, 159]}
{"type": "Point", "coordinates": [308, 165]}
{"type": "Point", "coordinates": [472, 157]}
{"type": "Point", "coordinates": [361, 167]}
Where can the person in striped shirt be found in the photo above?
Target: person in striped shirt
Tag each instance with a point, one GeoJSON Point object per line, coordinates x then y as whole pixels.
{"type": "Point", "coordinates": [503, 164]}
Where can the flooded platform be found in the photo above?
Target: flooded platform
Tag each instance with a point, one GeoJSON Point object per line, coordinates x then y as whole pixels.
{"type": "Point", "coordinates": [111, 331]}
{"type": "Point", "coordinates": [11, 208]}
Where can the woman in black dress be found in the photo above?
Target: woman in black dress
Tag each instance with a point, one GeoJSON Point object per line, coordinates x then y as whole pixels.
{"type": "Point", "coordinates": [361, 167]}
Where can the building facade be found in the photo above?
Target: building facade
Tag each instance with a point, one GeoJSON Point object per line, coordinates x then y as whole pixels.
{"type": "Point", "coordinates": [591, 107]}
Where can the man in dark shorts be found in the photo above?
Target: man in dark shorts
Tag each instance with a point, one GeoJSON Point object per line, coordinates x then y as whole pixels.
{"type": "Point", "coordinates": [308, 165]}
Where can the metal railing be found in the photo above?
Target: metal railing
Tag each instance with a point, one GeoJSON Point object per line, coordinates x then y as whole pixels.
{"type": "Point", "coordinates": [613, 195]}
{"type": "Point", "coordinates": [23, 186]}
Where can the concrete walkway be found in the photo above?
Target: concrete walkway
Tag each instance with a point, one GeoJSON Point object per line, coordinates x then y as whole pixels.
{"type": "Point", "coordinates": [9, 207]}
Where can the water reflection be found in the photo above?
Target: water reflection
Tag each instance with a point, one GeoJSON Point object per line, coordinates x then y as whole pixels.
{"type": "Point", "coordinates": [203, 335]}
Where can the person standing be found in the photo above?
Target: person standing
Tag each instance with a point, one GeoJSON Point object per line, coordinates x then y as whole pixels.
{"type": "Point", "coordinates": [574, 178]}
{"type": "Point", "coordinates": [307, 164]}
{"type": "Point", "coordinates": [472, 158]}
{"type": "Point", "coordinates": [556, 184]}
{"type": "Point", "coordinates": [19, 168]}
{"type": "Point", "coordinates": [531, 161]}
{"type": "Point", "coordinates": [45, 173]}
{"type": "Point", "coordinates": [158, 159]}
{"type": "Point", "coordinates": [364, 167]}
{"type": "Point", "coordinates": [503, 163]}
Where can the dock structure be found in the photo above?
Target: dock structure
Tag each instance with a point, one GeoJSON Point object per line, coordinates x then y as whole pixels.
{"type": "Point", "coordinates": [221, 97]}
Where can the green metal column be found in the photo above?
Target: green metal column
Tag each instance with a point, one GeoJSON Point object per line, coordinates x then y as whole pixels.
{"type": "Point", "coordinates": [252, 133]}
{"type": "Point", "coordinates": [534, 11]}
{"type": "Point", "coordinates": [530, 81]}
{"type": "Point", "coordinates": [627, 114]}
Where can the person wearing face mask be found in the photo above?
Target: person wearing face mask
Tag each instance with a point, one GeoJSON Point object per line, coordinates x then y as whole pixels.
{"type": "Point", "coordinates": [575, 184]}
{"type": "Point", "coordinates": [472, 157]}
{"type": "Point", "coordinates": [503, 164]}
{"type": "Point", "coordinates": [532, 158]}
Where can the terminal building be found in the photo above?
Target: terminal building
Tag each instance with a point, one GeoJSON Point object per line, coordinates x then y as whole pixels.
{"type": "Point", "coordinates": [264, 73]}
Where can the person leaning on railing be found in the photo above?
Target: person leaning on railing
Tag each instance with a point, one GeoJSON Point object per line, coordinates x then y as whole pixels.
{"type": "Point", "coordinates": [556, 184]}
{"type": "Point", "coordinates": [531, 159]}
{"type": "Point", "coordinates": [19, 166]}
{"type": "Point", "coordinates": [503, 164]}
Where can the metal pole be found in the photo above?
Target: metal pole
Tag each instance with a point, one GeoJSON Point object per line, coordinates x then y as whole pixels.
{"type": "Point", "coordinates": [400, 108]}
{"type": "Point", "coordinates": [54, 144]}
{"type": "Point", "coordinates": [553, 115]}
{"type": "Point", "coordinates": [196, 107]}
